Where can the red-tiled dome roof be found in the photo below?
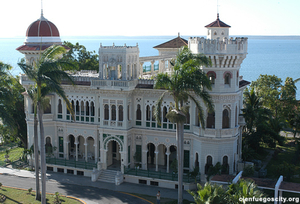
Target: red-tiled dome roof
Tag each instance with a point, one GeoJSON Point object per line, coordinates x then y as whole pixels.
{"type": "Point", "coordinates": [42, 28]}
{"type": "Point", "coordinates": [217, 23]}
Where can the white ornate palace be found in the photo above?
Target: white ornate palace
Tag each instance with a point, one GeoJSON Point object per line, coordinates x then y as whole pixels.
{"type": "Point", "coordinates": [114, 124]}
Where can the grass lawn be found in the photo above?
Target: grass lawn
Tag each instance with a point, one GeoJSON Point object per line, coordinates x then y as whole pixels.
{"type": "Point", "coordinates": [14, 155]}
{"type": "Point", "coordinates": [22, 196]}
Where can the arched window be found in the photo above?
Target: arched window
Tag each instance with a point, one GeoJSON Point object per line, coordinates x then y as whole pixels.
{"type": "Point", "coordinates": [188, 118]}
{"type": "Point", "coordinates": [77, 108]}
{"type": "Point", "coordinates": [226, 119]}
{"type": "Point", "coordinates": [215, 32]}
{"type": "Point", "coordinates": [128, 112]}
{"type": "Point", "coordinates": [165, 111]}
{"type": "Point", "coordinates": [120, 113]}
{"type": "Point", "coordinates": [138, 112]}
{"type": "Point", "coordinates": [87, 108]}
{"type": "Point", "coordinates": [47, 108]}
{"type": "Point", "coordinates": [59, 107]}
{"type": "Point", "coordinates": [153, 116]}
{"type": "Point", "coordinates": [225, 166]}
{"type": "Point", "coordinates": [212, 77]}
{"type": "Point", "coordinates": [148, 113]}
{"type": "Point", "coordinates": [227, 78]}
{"type": "Point", "coordinates": [106, 112]}
{"type": "Point", "coordinates": [210, 121]}
{"type": "Point", "coordinates": [82, 107]}
{"type": "Point", "coordinates": [113, 112]}
{"type": "Point", "coordinates": [48, 146]}
{"type": "Point", "coordinates": [92, 109]}
{"type": "Point", "coordinates": [208, 163]}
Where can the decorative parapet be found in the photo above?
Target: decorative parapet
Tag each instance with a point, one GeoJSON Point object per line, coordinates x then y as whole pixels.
{"type": "Point", "coordinates": [228, 132]}
{"type": "Point", "coordinates": [113, 84]}
{"type": "Point", "coordinates": [218, 46]}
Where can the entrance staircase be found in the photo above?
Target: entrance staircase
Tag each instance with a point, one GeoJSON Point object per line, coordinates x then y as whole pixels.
{"type": "Point", "coordinates": [107, 176]}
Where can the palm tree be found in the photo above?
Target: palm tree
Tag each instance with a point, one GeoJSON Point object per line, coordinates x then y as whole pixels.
{"type": "Point", "coordinates": [213, 194]}
{"type": "Point", "coordinates": [47, 73]}
{"type": "Point", "coordinates": [243, 189]}
{"type": "Point", "coordinates": [187, 81]}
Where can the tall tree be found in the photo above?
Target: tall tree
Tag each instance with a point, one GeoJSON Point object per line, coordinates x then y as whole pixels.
{"type": "Point", "coordinates": [82, 59]}
{"type": "Point", "coordinates": [188, 81]}
{"type": "Point", "coordinates": [47, 73]}
{"type": "Point", "coordinates": [12, 105]}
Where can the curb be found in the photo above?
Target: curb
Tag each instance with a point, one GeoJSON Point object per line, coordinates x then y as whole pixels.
{"type": "Point", "coordinates": [74, 198]}
{"type": "Point", "coordinates": [136, 196]}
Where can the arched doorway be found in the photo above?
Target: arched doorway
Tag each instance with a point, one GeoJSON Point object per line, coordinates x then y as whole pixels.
{"type": "Point", "coordinates": [90, 149]}
{"type": "Point", "coordinates": [173, 157]}
{"type": "Point", "coordinates": [150, 154]}
{"type": "Point", "coordinates": [48, 147]}
{"type": "Point", "coordinates": [208, 163]}
{"type": "Point", "coordinates": [71, 146]}
{"type": "Point", "coordinates": [113, 157]}
{"type": "Point", "coordinates": [162, 157]}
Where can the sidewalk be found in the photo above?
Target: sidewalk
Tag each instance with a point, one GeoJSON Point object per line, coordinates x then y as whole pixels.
{"type": "Point", "coordinates": [86, 181]}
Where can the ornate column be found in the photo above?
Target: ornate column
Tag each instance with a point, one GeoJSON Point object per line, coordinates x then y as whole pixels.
{"type": "Point", "coordinates": [156, 160]}
{"type": "Point", "coordinates": [141, 69]}
{"type": "Point", "coordinates": [168, 160]}
{"type": "Point", "coordinates": [85, 151]}
{"type": "Point", "coordinates": [152, 67]}
{"type": "Point", "coordinates": [96, 152]}
{"type": "Point", "coordinates": [76, 150]}
{"type": "Point", "coordinates": [144, 159]}
{"type": "Point", "coordinates": [67, 149]}
{"type": "Point", "coordinates": [122, 161]}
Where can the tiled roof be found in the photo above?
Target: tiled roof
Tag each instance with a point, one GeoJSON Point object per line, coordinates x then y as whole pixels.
{"type": "Point", "coordinates": [243, 83]}
{"type": "Point", "coordinates": [218, 23]}
{"type": "Point", "coordinates": [174, 43]}
{"type": "Point", "coordinates": [42, 28]}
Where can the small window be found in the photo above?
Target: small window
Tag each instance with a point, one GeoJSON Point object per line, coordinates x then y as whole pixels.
{"type": "Point", "coordinates": [138, 112]}
{"type": "Point", "coordinates": [227, 78]}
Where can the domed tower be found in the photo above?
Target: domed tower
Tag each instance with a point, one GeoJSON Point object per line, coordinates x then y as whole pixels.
{"type": "Point", "coordinates": [225, 124]}
{"type": "Point", "coordinates": [40, 35]}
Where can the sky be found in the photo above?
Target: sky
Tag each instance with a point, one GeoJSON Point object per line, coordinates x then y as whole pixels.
{"type": "Point", "coordinates": [152, 17]}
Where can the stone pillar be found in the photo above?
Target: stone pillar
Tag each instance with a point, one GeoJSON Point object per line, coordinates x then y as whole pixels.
{"type": "Point", "coordinates": [152, 67]}
{"type": "Point", "coordinates": [156, 160]}
{"type": "Point", "coordinates": [144, 159]}
{"type": "Point", "coordinates": [67, 149]}
{"type": "Point", "coordinates": [104, 160]}
{"type": "Point", "coordinates": [168, 161]}
{"type": "Point", "coordinates": [161, 66]}
{"type": "Point", "coordinates": [76, 150]}
{"type": "Point", "coordinates": [85, 151]}
{"type": "Point", "coordinates": [122, 161]}
{"type": "Point", "coordinates": [96, 152]}
{"type": "Point", "coordinates": [141, 69]}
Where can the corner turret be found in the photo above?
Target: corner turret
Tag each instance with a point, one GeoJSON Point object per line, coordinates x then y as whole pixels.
{"type": "Point", "coordinates": [217, 29]}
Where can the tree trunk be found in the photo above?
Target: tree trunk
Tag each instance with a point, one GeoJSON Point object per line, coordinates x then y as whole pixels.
{"type": "Point", "coordinates": [36, 158]}
{"type": "Point", "coordinates": [179, 138]}
{"type": "Point", "coordinates": [43, 158]}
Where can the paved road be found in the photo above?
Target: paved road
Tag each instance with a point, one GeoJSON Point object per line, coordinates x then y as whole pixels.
{"type": "Point", "coordinates": [90, 195]}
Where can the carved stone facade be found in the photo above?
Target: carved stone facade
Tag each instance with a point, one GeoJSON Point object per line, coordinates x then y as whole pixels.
{"type": "Point", "coordinates": [114, 123]}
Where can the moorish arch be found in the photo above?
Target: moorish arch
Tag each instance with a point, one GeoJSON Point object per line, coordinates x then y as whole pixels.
{"type": "Point", "coordinates": [113, 145]}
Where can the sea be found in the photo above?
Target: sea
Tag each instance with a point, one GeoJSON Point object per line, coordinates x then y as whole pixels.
{"type": "Point", "coordinates": [272, 55]}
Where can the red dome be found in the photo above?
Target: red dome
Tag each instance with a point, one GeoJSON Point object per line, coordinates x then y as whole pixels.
{"type": "Point", "coordinates": [42, 28]}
